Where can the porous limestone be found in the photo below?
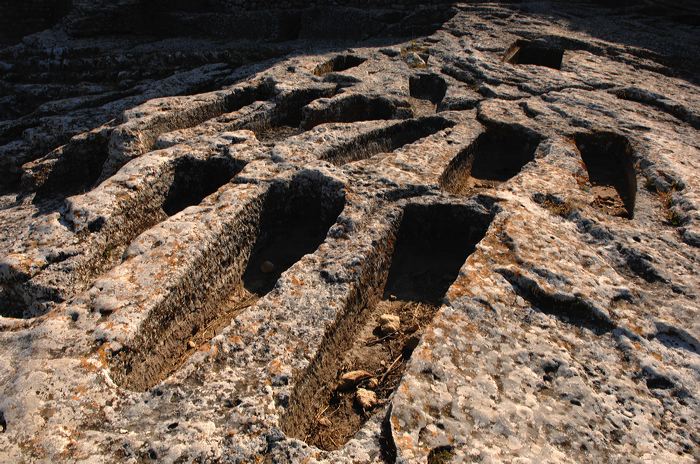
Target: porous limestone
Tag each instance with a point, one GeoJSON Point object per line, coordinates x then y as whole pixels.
{"type": "Point", "coordinates": [197, 229]}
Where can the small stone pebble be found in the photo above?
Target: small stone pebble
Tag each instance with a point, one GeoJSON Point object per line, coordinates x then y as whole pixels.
{"type": "Point", "coordinates": [414, 60]}
{"type": "Point", "coordinates": [350, 379]}
{"type": "Point", "coordinates": [366, 399]}
{"type": "Point", "coordinates": [389, 324]}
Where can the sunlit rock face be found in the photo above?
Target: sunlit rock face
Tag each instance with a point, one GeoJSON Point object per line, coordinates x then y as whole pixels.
{"type": "Point", "coordinates": [341, 232]}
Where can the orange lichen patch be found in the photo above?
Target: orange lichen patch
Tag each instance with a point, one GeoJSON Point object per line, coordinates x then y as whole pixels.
{"type": "Point", "coordinates": [80, 389]}
{"type": "Point", "coordinates": [87, 365]}
{"type": "Point", "coordinates": [404, 441]}
{"type": "Point", "coordinates": [275, 367]}
{"type": "Point", "coordinates": [424, 354]}
{"type": "Point", "coordinates": [297, 281]}
{"type": "Point", "coordinates": [213, 350]}
{"type": "Point", "coordinates": [204, 347]}
{"type": "Point", "coordinates": [636, 329]}
{"type": "Point", "coordinates": [109, 325]}
{"type": "Point", "coordinates": [102, 354]}
{"type": "Point", "coordinates": [69, 450]}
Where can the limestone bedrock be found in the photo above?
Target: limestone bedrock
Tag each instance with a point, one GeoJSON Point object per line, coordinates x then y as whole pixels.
{"type": "Point", "coordinates": [364, 232]}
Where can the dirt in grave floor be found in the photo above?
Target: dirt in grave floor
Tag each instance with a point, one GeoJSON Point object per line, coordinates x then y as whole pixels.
{"type": "Point", "coordinates": [418, 279]}
{"type": "Point", "coordinates": [338, 417]}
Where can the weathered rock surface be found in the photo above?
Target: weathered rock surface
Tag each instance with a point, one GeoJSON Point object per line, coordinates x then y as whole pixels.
{"type": "Point", "coordinates": [480, 220]}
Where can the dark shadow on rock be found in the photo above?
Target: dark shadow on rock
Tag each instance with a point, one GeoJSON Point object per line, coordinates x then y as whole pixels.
{"type": "Point", "coordinates": [674, 45]}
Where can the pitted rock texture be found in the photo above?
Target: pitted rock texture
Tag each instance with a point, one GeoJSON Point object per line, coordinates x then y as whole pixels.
{"type": "Point", "coordinates": [380, 232]}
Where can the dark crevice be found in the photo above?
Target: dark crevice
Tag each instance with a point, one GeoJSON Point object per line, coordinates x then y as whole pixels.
{"type": "Point", "coordinates": [404, 281]}
{"type": "Point", "coordinates": [537, 53]}
{"type": "Point", "coordinates": [11, 305]}
{"type": "Point", "coordinates": [494, 157]}
{"type": "Point", "coordinates": [655, 381]}
{"type": "Point", "coordinates": [659, 102]}
{"type": "Point", "coordinates": [386, 139]}
{"type": "Point", "coordinates": [609, 160]}
{"type": "Point", "coordinates": [640, 263]}
{"type": "Point", "coordinates": [567, 308]}
{"type": "Point", "coordinates": [387, 444]}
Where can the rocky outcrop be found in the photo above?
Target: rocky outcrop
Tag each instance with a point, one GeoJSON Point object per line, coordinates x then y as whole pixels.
{"type": "Point", "coordinates": [464, 233]}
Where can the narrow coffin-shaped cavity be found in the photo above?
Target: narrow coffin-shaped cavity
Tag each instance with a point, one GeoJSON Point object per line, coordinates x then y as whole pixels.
{"type": "Point", "coordinates": [428, 86]}
{"type": "Point", "coordinates": [194, 179]}
{"type": "Point", "coordinates": [241, 264]}
{"type": "Point", "coordinates": [338, 64]}
{"type": "Point", "coordinates": [537, 53]}
{"type": "Point", "coordinates": [187, 182]}
{"type": "Point", "coordinates": [494, 157]}
{"type": "Point", "coordinates": [140, 133]}
{"type": "Point", "coordinates": [285, 119]}
{"type": "Point", "coordinates": [69, 170]}
{"type": "Point", "coordinates": [386, 139]}
{"type": "Point", "coordinates": [609, 160]}
{"type": "Point", "coordinates": [354, 107]}
{"type": "Point", "coordinates": [363, 356]}
{"type": "Point", "coordinates": [293, 224]}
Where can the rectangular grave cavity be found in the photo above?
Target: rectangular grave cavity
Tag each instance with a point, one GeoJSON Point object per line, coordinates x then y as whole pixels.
{"type": "Point", "coordinates": [427, 90]}
{"type": "Point", "coordinates": [68, 170]}
{"type": "Point", "coordinates": [363, 356]}
{"type": "Point", "coordinates": [427, 86]}
{"type": "Point", "coordinates": [238, 267]}
{"type": "Point", "coordinates": [338, 64]}
{"type": "Point", "coordinates": [354, 107]}
{"type": "Point", "coordinates": [285, 119]}
{"type": "Point", "coordinates": [609, 160]}
{"type": "Point", "coordinates": [535, 52]}
{"type": "Point", "coordinates": [386, 139]}
{"type": "Point", "coordinates": [195, 179]}
{"type": "Point", "coordinates": [494, 157]}
{"type": "Point", "coordinates": [186, 182]}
